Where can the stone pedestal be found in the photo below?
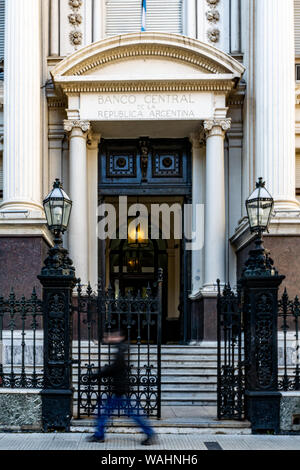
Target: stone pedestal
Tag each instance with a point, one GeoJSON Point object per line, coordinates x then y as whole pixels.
{"type": "Point", "coordinates": [290, 412]}
{"type": "Point", "coordinates": [20, 410]}
{"type": "Point", "coordinates": [58, 280]}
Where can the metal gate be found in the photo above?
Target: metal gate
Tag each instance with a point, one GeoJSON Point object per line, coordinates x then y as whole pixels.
{"type": "Point", "coordinates": [96, 313]}
{"type": "Point", "coordinates": [231, 375]}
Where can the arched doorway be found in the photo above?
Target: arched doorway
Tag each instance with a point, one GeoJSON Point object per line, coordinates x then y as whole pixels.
{"type": "Point", "coordinates": [134, 268]}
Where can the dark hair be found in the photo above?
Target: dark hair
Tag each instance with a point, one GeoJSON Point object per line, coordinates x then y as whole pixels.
{"type": "Point", "coordinates": [114, 331]}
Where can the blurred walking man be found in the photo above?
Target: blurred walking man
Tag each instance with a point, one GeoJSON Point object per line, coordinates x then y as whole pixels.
{"type": "Point", "coordinates": [118, 372]}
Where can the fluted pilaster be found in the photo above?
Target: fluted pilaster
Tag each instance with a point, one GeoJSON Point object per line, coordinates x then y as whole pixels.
{"type": "Point", "coordinates": [22, 107]}
{"type": "Point", "coordinates": [275, 99]}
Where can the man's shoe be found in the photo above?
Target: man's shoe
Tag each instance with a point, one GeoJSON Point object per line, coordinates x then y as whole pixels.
{"type": "Point", "coordinates": [94, 438]}
{"type": "Point", "coordinates": [149, 441]}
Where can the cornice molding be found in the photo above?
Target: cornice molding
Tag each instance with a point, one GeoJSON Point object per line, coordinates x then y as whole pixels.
{"type": "Point", "coordinates": [97, 86]}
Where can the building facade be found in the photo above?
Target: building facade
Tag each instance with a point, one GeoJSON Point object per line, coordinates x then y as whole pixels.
{"type": "Point", "coordinates": [187, 114]}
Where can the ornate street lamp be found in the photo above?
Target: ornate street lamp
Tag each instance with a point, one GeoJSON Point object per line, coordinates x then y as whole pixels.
{"type": "Point", "coordinates": [259, 207]}
{"type": "Point", "coordinates": [58, 280]}
{"type": "Point", "coordinates": [57, 207]}
{"type": "Point", "coordinates": [259, 283]}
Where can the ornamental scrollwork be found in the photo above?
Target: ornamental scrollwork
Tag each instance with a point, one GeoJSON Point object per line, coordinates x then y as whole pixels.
{"type": "Point", "coordinates": [70, 125]}
{"type": "Point", "coordinates": [217, 126]}
{"type": "Point", "coordinates": [263, 340]}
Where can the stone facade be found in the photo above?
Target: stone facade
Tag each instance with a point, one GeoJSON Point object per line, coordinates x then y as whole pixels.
{"type": "Point", "coordinates": [20, 410]}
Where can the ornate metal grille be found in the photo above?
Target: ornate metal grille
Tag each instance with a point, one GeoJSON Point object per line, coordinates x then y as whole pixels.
{"type": "Point", "coordinates": [21, 342]}
{"type": "Point", "coordinates": [288, 343]}
{"type": "Point", "coordinates": [231, 383]}
{"type": "Point", "coordinates": [97, 312]}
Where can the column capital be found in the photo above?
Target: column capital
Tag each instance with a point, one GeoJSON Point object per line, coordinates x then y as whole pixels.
{"type": "Point", "coordinates": [69, 125]}
{"type": "Point", "coordinates": [198, 138]}
{"type": "Point", "coordinates": [93, 140]}
{"type": "Point", "coordinates": [217, 127]}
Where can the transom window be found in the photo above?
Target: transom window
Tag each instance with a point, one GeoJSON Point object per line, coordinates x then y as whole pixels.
{"type": "Point", "coordinates": [126, 16]}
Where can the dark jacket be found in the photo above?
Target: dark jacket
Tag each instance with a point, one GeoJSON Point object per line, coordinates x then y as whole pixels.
{"type": "Point", "coordinates": [117, 372]}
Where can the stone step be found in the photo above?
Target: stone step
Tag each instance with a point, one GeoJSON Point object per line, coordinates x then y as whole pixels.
{"type": "Point", "coordinates": [152, 357]}
{"type": "Point", "coordinates": [188, 426]}
{"type": "Point", "coordinates": [181, 387]}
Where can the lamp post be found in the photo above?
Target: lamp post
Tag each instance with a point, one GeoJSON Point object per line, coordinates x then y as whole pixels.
{"type": "Point", "coordinates": [260, 282]}
{"type": "Point", "coordinates": [259, 207]}
{"type": "Point", "coordinates": [58, 280]}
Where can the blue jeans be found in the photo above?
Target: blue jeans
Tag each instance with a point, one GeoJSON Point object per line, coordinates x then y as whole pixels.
{"type": "Point", "coordinates": [113, 403]}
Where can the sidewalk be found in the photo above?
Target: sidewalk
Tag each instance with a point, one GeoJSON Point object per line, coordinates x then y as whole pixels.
{"type": "Point", "coordinates": [77, 441]}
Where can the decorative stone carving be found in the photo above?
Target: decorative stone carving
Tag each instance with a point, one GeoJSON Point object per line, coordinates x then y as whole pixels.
{"type": "Point", "coordinates": [198, 138]}
{"type": "Point", "coordinates": [76, 37]}
{"type": "Point", "coordinates": [75, 19]}
{"type": "Point", "coordinates": [215, 127]}
{"type": "Point", "coordinates": [70, 125]}
{"type": "Point", "coordinates": [213, 35]}
{"type": "Point", "coordinates": [213, 16]}
{"type": "Point", "coordinates": [75, 4]}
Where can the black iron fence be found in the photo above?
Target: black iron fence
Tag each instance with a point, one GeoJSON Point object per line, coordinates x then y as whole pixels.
{"type": "Point", "coordinates": [139, 317]}
{"type": "Point", "coordinates": [231, 380]}
{"type": "Point", "coordinates": [21, 342]}
{"type": "Point", "coordinates": [288, 343]}
{"type": "Point", "coordinates": [232, 329]}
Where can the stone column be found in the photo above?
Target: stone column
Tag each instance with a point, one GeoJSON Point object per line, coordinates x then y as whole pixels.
{"type": "Point", "coordinates": [78, 228]}
{"type": "Point", "coordinates": [275, 99]}
{"type": "Point", "coordinates": [92, 161]}
{"type": "Point", "coordinates": [22, 107]}
{"type": "Point", "coordinates": [215, 225]}
{"type": "Point", "coordinates": [197, 140]}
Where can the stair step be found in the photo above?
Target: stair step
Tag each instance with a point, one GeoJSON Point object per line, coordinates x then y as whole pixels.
{"type": "Point", "coordinates": [152, 358]}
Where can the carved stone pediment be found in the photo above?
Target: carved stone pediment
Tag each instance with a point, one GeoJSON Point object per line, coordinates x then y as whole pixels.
{"type": "Point", "coordinates": [153, 59]}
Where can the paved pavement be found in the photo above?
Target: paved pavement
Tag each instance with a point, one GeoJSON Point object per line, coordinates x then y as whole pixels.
{"type": "Point", "coordinates": [77, 441]}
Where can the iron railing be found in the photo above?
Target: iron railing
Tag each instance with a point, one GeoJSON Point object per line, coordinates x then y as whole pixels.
{"type": "Point", "coordinates": [21, 342]}
{"type": "Point", "coordinates": [231, 383]}
{"type": "Point", "coordinates": [140, 317]}
{"type": "Point", "coordinates": [288, 343]}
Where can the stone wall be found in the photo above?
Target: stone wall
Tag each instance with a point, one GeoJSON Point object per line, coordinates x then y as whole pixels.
{"type": "Point", "coordinates": [290, 412]}
{"type": "Point", "coordinates": [20, 410]}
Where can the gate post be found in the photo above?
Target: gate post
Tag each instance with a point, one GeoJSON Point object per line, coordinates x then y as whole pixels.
{"type": "Point", "coordinates": [260, 282]}
{"type": "Point", "coordinates": [58, 280]}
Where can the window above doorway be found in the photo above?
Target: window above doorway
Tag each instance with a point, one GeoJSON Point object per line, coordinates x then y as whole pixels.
{"type": "Point", "coordinates": [125, 17]}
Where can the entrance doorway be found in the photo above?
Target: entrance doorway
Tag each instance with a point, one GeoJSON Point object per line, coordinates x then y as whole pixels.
{"type": "Point", "coordinates": [148, 171]}
{"type": "Point", "coordinates": [134, 270]}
